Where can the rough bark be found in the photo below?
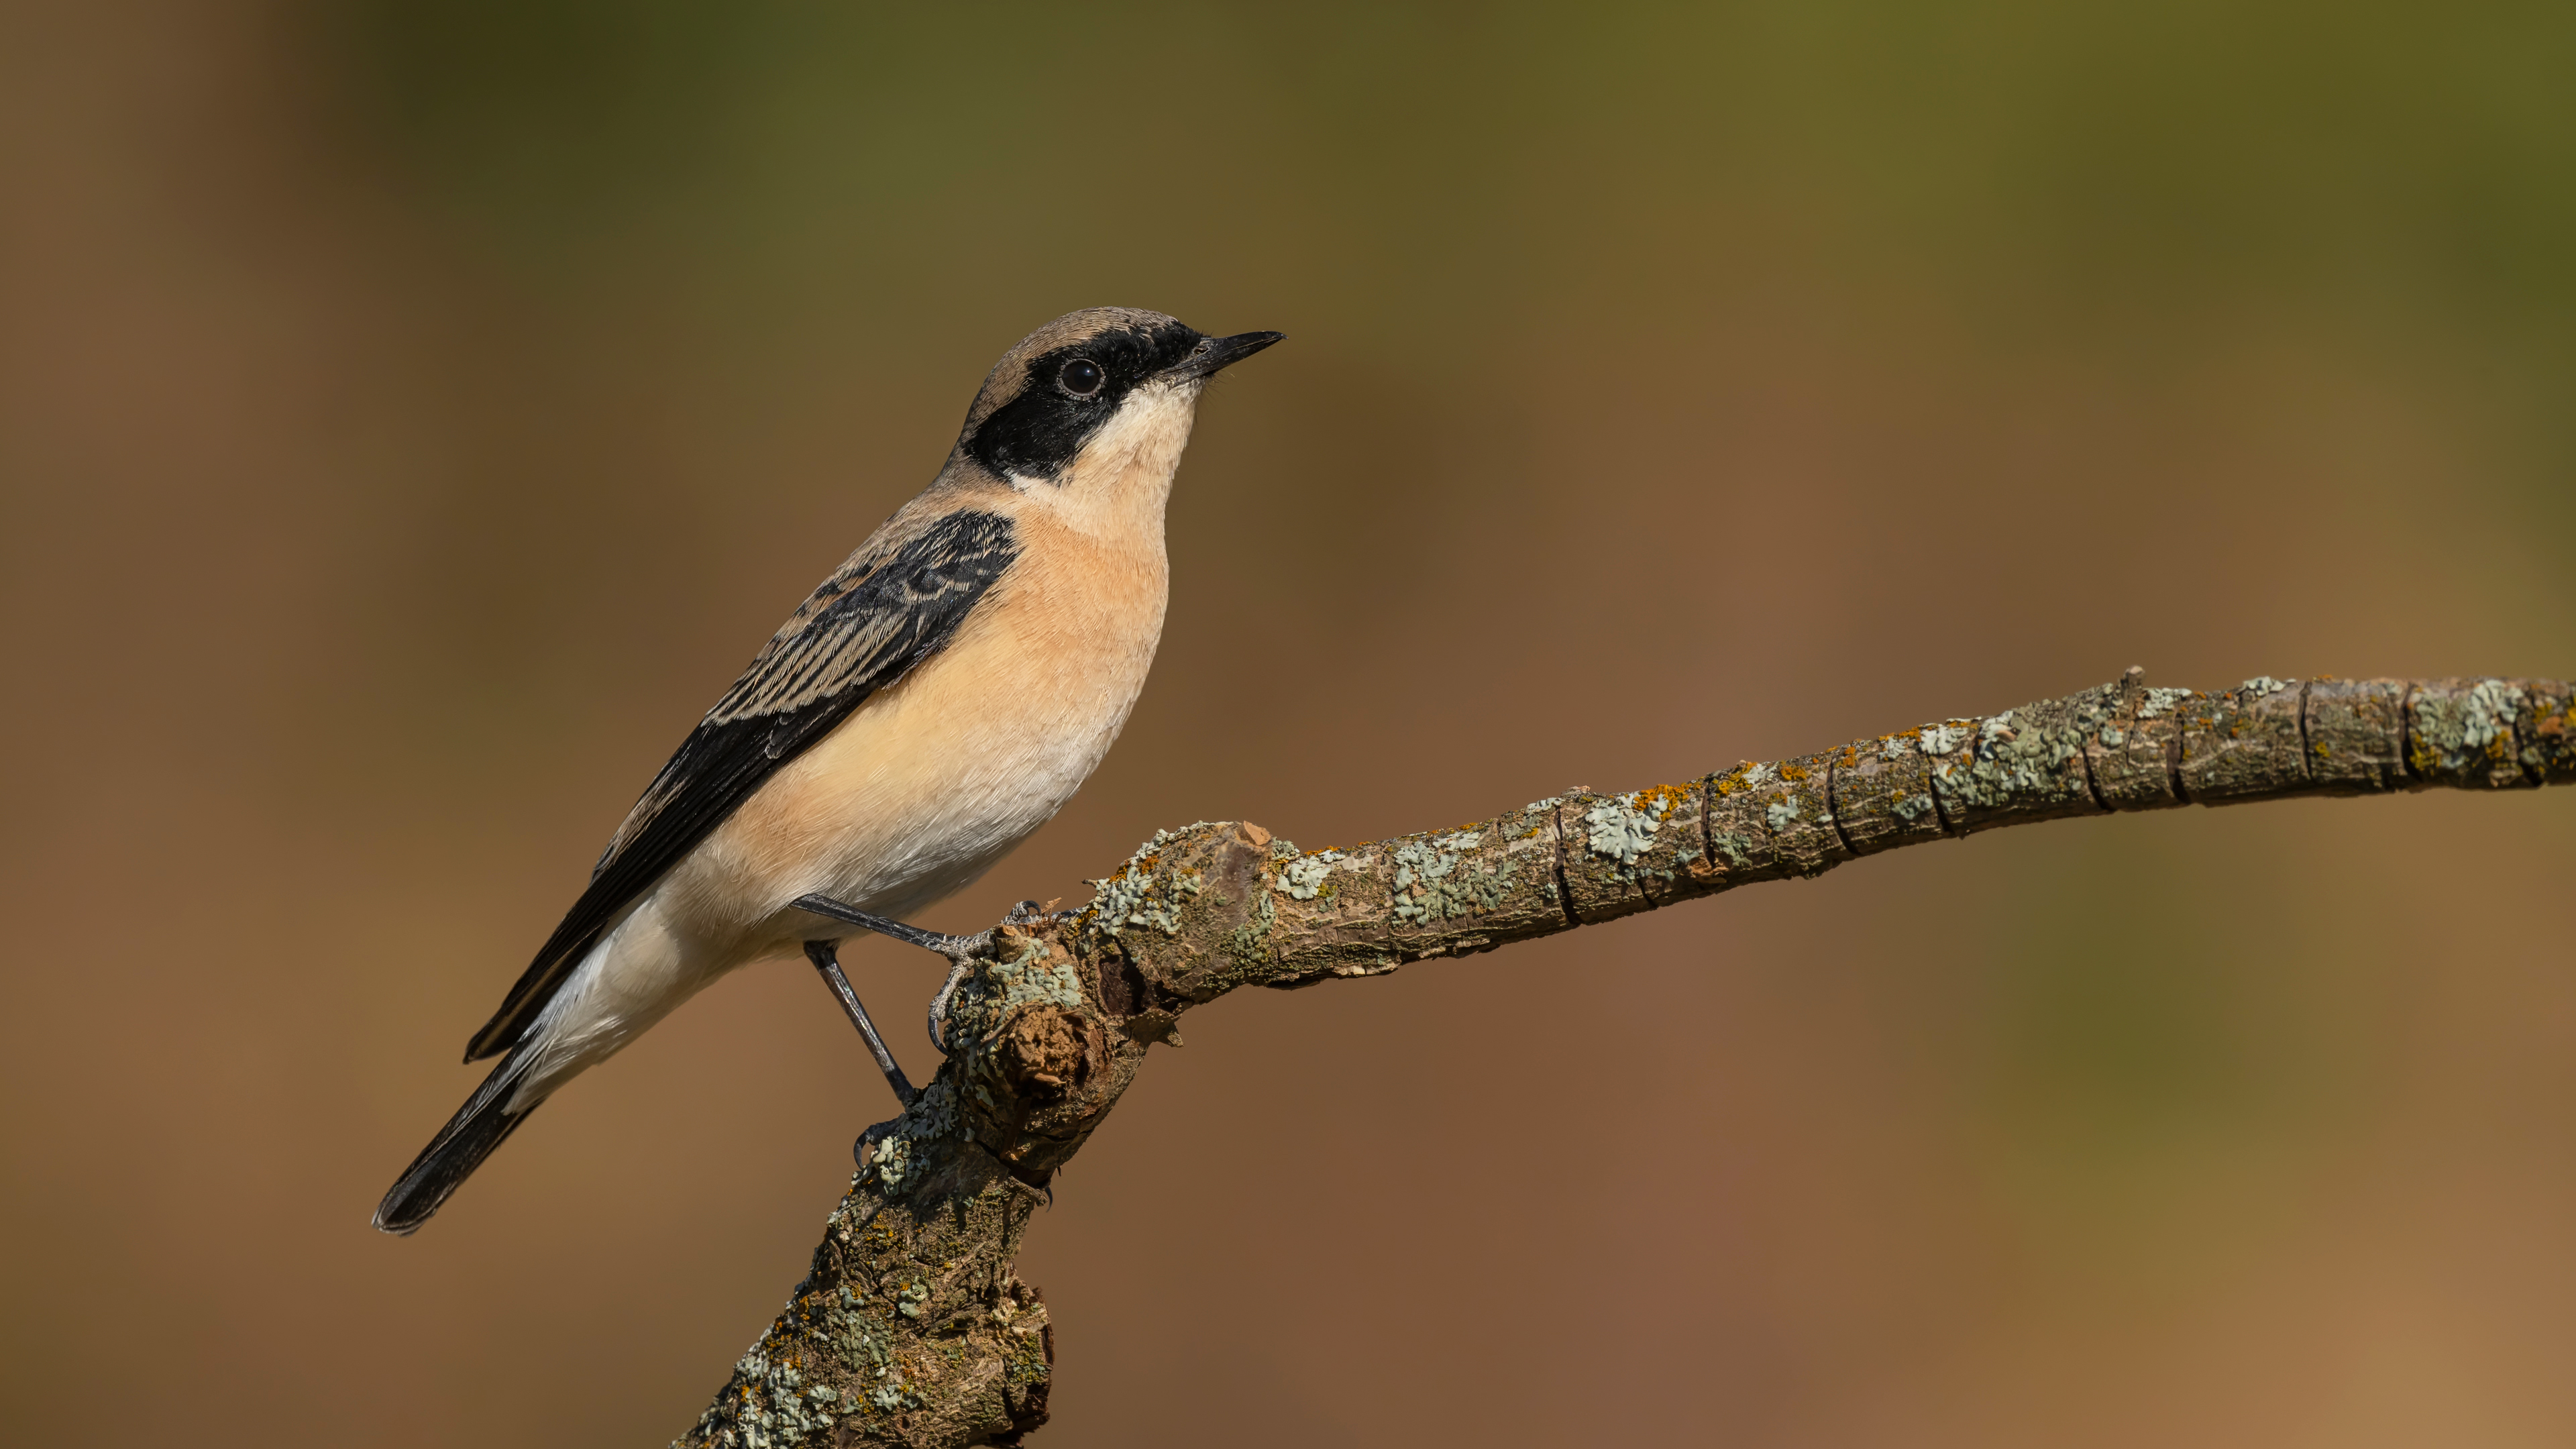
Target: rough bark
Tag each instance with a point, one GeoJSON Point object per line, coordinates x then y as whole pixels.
{"type": "Point", "coordinates": [911, 1329]}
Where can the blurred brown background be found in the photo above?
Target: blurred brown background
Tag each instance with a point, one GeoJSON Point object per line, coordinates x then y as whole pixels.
{"type": "Point", "coordinates": [412, 415]}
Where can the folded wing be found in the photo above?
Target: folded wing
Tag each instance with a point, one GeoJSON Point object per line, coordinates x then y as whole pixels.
{"type": "Point", "coordinates": [883, 613]}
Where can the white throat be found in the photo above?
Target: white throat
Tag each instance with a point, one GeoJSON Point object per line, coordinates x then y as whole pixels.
{"type": "Point", "coordinates": [1122, 478]}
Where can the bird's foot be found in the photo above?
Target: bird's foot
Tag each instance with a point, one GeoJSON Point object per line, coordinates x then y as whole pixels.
{"type": "Point", "coordinates": [962, 951]}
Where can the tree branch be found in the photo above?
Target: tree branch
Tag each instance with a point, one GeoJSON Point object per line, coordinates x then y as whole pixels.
{"type": "Point", "coordinates": [911, 1328]}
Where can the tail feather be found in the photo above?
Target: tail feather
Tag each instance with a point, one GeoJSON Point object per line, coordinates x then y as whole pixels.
{"type": "Point", "coordinates": [460, 1147]}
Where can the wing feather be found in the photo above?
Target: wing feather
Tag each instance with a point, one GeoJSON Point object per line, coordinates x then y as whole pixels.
{"type": "Point", "coordinates": [865, 628]}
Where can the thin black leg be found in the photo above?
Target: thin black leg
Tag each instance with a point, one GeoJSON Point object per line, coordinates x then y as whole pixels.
{"type": "Point", "coordinates": [952, 947]}
{"type": "Point", "coordinates": [826, 958]}
{"type": "Point", "coordinates": [958, 949]}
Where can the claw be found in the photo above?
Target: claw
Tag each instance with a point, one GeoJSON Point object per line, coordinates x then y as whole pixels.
{"type": "Point", "coordinates": [939, 1007]}
{"type": "Point", "coordinates": [960, 950]}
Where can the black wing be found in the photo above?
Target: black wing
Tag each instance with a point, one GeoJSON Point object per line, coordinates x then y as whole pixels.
{"type": "Point", "coordinates": [861, 631]}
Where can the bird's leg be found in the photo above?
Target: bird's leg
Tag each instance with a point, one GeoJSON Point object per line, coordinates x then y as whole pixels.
{"type": "Point", "coordinates": [960, 951]}
{"type": "Point", "coordinates": [826, 958]}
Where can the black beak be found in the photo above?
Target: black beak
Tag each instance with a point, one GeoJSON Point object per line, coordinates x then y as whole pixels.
{"type": "Point", "coordinates": [1214, 353]}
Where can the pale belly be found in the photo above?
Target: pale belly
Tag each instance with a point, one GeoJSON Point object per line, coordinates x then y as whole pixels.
{"type": "Point", "coordinates": [920, 792]}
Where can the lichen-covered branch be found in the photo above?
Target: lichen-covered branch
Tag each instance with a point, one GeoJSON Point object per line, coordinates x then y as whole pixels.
{"type": "Point", "coordinates": [911, 1329]}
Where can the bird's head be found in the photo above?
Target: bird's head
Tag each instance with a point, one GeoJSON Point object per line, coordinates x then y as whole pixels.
{"type": "Point", "coordinates": [1095, 398]}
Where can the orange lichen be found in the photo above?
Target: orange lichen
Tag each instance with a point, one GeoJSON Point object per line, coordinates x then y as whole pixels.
{"type": "Point", "coordinates": [1662, 800]}
{"type": "Point", "coordinates": [1733, 780]}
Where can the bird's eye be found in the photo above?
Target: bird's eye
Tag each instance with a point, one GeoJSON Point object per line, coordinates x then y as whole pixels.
{"type": "Point", "coordinates": [1082, 377]}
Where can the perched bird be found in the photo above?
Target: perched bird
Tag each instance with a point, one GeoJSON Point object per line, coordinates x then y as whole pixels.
{"type": "Point", "coordinates": [939, 697]}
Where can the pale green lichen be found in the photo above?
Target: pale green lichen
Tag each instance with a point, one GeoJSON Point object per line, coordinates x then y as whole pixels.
{"type": "Point", "coordinates": [866, 1345]}
{"type": "Point", "coordinates": [1781, 814]}
{"type": "Point", "coordinates": [1303, 878]}
{"type": "Point", "coordinates": [1941, 739]}
{"type": "Point", "coordinates": [986, 1000]}
{"type": "Point", "coordinates": [2016, 752]}
{"type": "Point", "coordinates": [2476, 723]}
{"type": "Point", "coordinates": [1138, 896]}
{"type": "Point", "coordinates": [2163, 701]}
{"type": "Point", "coordinates": [1734, 847]}
{"type": "Point", "coordinates": [776, 1398]}
{"type": "Point", "coordinates": [1036, 975]}
{"type": "Point", "coordinates": [932, 1115]}
{"type": "Point", "coordinates": [1429, 886]}
{"type": "Point", "coordinates": [768, 1408]}
{"type": "Point", "coordinates": [1143, 901]}
{"type": "Point", "coordinates": [893, 1162]}
{"type": "Point", "coordinates": [1912, 808]}
{"type": "Point", "coordinates": [1248, 943]}
{"type": "Point", "coordinates": [1115, 897]}
{"type": "Point", "coordinates": [2262, 686]}
{"type": "Point", "coordinates": [1617, 830]}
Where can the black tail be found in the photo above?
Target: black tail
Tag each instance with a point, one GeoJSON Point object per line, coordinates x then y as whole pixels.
{"type": "Point", "coordinates": [459, 1148]}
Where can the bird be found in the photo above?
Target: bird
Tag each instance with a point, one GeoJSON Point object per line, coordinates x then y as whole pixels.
{"type": "Point", "coordinates": [935, 700]}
